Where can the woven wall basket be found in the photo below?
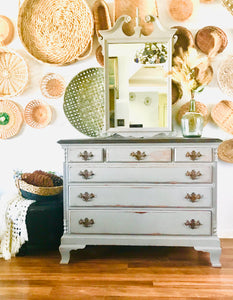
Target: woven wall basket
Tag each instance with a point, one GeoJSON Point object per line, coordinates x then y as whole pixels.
{"type": "Point", "coordinates": [11, 119]}
{"type": "Point", "coordinates": [84, 101]}
{"type": "Point", "coordinates": [13, 73]}
{"type": "Point", "coordinates": [52, 86]}
{"type": "Point", "coordinates": [228, 4]}
{"type": "Point", "coordinates": [6, 31]}
{"type": "Point", "coordinates": [37, 114]}
{"type": "Point", "coordinates": [225, 75]}
{"type": "Point", "coordinates": [222, 114]}
{"type": "Point", "coordinates": [56, 31]}
{"type": "Point", "coordinates": [200, 108]}
{"type": "Point", "coordinates": [225, 151]}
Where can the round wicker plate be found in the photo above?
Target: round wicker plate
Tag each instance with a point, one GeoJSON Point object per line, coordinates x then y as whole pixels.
{"type": "Point", "coordinates": [84, 101]}
{"type": "Point", "coordinates": [52, 86]}
{"type": "Point", "coordinates": [228, 4]}
{"type": "Point", "coordinates": [225, 75]}
{"type": "Point", "coordinates": [56, 31]}
{"type": "Point", "coordinates": [6, 31]}
{"type": "Point", "coordinates": [37, 114]}
{"type": "Point", "coordinates": [200, 108]}
{"type": "Point", "coordinates": [11, 119]}
{"type": "Point", "coordinates": [222, 114]}
{"type": "Point", "coordinates": [225, 151]}
{"type": "Point", "coordinates": [13, 73]}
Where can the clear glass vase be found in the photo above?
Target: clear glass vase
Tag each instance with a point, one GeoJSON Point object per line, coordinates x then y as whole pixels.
{"type": "Point", "coordinates": [192, 122]}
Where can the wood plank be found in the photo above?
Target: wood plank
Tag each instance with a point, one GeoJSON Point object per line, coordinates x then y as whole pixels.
{"type": "Point", "coordinates": [108, 272]}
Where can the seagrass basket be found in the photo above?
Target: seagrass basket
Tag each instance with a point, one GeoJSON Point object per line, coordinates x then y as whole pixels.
{"type": "Point", "coordinates": [228, 4]}
{"type": "Point", "coordinates": [13, 73]}
{"type": "Point", "coordinates": [222, 114]}
{"type": "Point", "coordinates": [57, 32]}
{"type": "Point", "coordinates": [52, 86]}
{"type": "Point", "coordinates": [37, 193]}
{"type": "Point", "coordinates": [181, 10]}
{"type": "Point", "coordinates": [225, 75]}
{"type": "Point", "coordinates": [6, 31]}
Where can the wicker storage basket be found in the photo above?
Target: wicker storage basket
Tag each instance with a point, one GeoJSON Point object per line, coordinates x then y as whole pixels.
{"type": "Point", "coordinates": [146, 7]}
{"type": "Point", "coordinates": [6, 31]}
{"type": "Point", "coordinates": [13, 73]}
{"type": "Point", "coordinates": [37, 114]}
{"type": "Point", "coordinates": [56, 31]}
{"type": "Point", "coordinates": [200, 108]}
{"type": "Point", "coordinates": [222, 114]}
{"type": "Point", "coordinates": [11, 119]}
{"type": "Point", "coordinates": [37, 193]}
{"type": "Point", "coordinates": [225, 151]}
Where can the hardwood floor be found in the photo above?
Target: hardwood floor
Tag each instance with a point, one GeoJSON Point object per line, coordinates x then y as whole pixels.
{"type": "Point", "coordinates": [107, 272]}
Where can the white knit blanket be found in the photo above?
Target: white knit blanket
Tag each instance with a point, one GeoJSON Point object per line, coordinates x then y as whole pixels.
{"type": "Point", "coordinates": [13, 230]}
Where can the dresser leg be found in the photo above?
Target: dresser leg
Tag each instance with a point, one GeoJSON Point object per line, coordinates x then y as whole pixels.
{"type": "Point", "coordinates": [215, 254]}
{"type": "Point", "coordinates": [65, 252]}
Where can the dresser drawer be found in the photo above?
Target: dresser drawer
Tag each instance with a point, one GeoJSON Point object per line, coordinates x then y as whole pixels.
{"type": "Point", "coordinates": [140, 222]}
{"type": "Point", "coordinates": [143, 196]}
{"type": "Point", "coordinates": [193, 154]}
{"type": "Point", "coordinates": [152, 174]}
{"type": "Point", "coordinates": [78, 154]}
{"type": "Point", "coordinates": [137, 154]}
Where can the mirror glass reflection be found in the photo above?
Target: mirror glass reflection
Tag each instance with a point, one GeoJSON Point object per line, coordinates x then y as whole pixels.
{"type": "Point", "coordinates": [138, 85]}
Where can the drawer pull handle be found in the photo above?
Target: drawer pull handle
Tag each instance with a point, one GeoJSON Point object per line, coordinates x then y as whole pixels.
{"type": "Point", "coordinates": [193, 197]}
{"type": "Point", "coordinates": [86, 196]}
{"type": "Point", "coordinates": [86, 222]}
{"type": "Point", "coordinates": [86, 156]}
{"type": "Point", "coordinates": [193, 174]}
{"type": "Point", "coordinates": [193, 155]}
{"type": "Point", "coordinates": [138, 155]}
{"type": "Point", "coordinates": [86, 174]}
{"type": "Point", "coordinates": [193, 224]}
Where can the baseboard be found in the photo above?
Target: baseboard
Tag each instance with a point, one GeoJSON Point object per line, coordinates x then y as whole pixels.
{"type": "Point", "coordinates": [226, 234]}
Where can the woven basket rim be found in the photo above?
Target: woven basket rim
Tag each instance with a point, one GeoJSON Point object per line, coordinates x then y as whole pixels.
{"type": "Point", "coordinates": [89, 45]}
{"type": "Point", "coordinates": [42, 191]}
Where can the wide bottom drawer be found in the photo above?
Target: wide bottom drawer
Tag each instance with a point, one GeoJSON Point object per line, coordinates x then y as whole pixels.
{"type": "Point", "coordinates": [140, 222]}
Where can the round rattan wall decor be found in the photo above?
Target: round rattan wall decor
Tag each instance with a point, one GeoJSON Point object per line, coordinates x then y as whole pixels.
{"type": "Point", "coordinates": [6, 31]}
{"type": "Point", "coordinates": [84, 101]}
{"type": "Point", "coordinates": [225, 75]}
{"type": "Point", "coordinates": [37, 114]}
{"type": "Point", "coordinates": [222, 115]}
{"type": "Point", "coordinates": [52, 86]}
{"type": "Point", "coordinates": [200, 108]}
{"type": "Point", "coordinates": [13, 73]}
{"type": "Point", "coordinates": [56, 31]}
{"type": "Point", "coordinates": [11, 119]}
{"type": "Point", "coordinates": [225, 151]}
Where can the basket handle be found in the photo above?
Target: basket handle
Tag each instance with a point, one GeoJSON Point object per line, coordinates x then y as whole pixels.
{"type": "Point", "coordinates": [88, 50]}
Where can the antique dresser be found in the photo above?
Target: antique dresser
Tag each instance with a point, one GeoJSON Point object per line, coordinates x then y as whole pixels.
{"type": "Point", "coordinates": [134, 191]}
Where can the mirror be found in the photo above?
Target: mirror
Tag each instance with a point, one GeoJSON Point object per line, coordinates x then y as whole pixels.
{"type": "Point", "coordinates": [138, 90]}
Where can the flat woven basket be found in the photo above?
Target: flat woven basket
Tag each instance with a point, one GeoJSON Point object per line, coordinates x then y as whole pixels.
{"type": "Point", "coordinates": [200, 108]}
{"type": "Point", "coordinates": [225, 151]}
{"type": "Point", "coordinates": [6, 31]}
{"type": "Point", "coordinates": [228, 4]}
{"type": "Point", "coordinates": [84, 101]}
{"type": "Point", "coordinates": [225, 75]}
{"type": "Point", "coordinates": [11, 119]}
{"type": "Point", "coordinates": [222, 114]}
{"type": "Point", "coordinates": [37, 114]}
{"type": "Point", "coordinates": [56, 31]}
{"type": "Point", "coordinates": [52, 86]}
{"type": "Point", "coordinates": [13, 73]}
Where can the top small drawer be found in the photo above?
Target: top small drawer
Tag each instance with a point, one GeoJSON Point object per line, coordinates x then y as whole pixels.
{"type": "Point", "coordinates": [138, 154]}
{"type": "Point", "coordinates": [193, 154]}
{"type": "Point", "coordinates": [78, 154]}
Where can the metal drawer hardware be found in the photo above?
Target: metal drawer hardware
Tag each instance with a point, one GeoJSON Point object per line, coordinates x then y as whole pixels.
{"type": "Point", "coordinates": [193, 174]}
{"type": "Point", "coordinates": [86, 156]}
{"type": "Point", "coordinates": [193, 197]}
{"type": "Point", "coordinates": [138, 155]}
{"type": "Point", "coordinates": [193, 155]}
{"type": "Point", "coordinates": [193, 224]}
{"type": "Point", "coordinates": [86, 196]}
{"type": "Point", "coordinates": [86, 222]}
{"type": "Point", "coordinates": [86, 174]}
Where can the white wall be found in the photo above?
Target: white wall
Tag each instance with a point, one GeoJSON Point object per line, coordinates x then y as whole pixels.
{"type": "Point", "coordinates": [38, 149]}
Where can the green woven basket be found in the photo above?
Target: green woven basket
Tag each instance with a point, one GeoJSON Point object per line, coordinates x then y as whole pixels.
{"type": "Point", "coordinates": [84, 101]}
